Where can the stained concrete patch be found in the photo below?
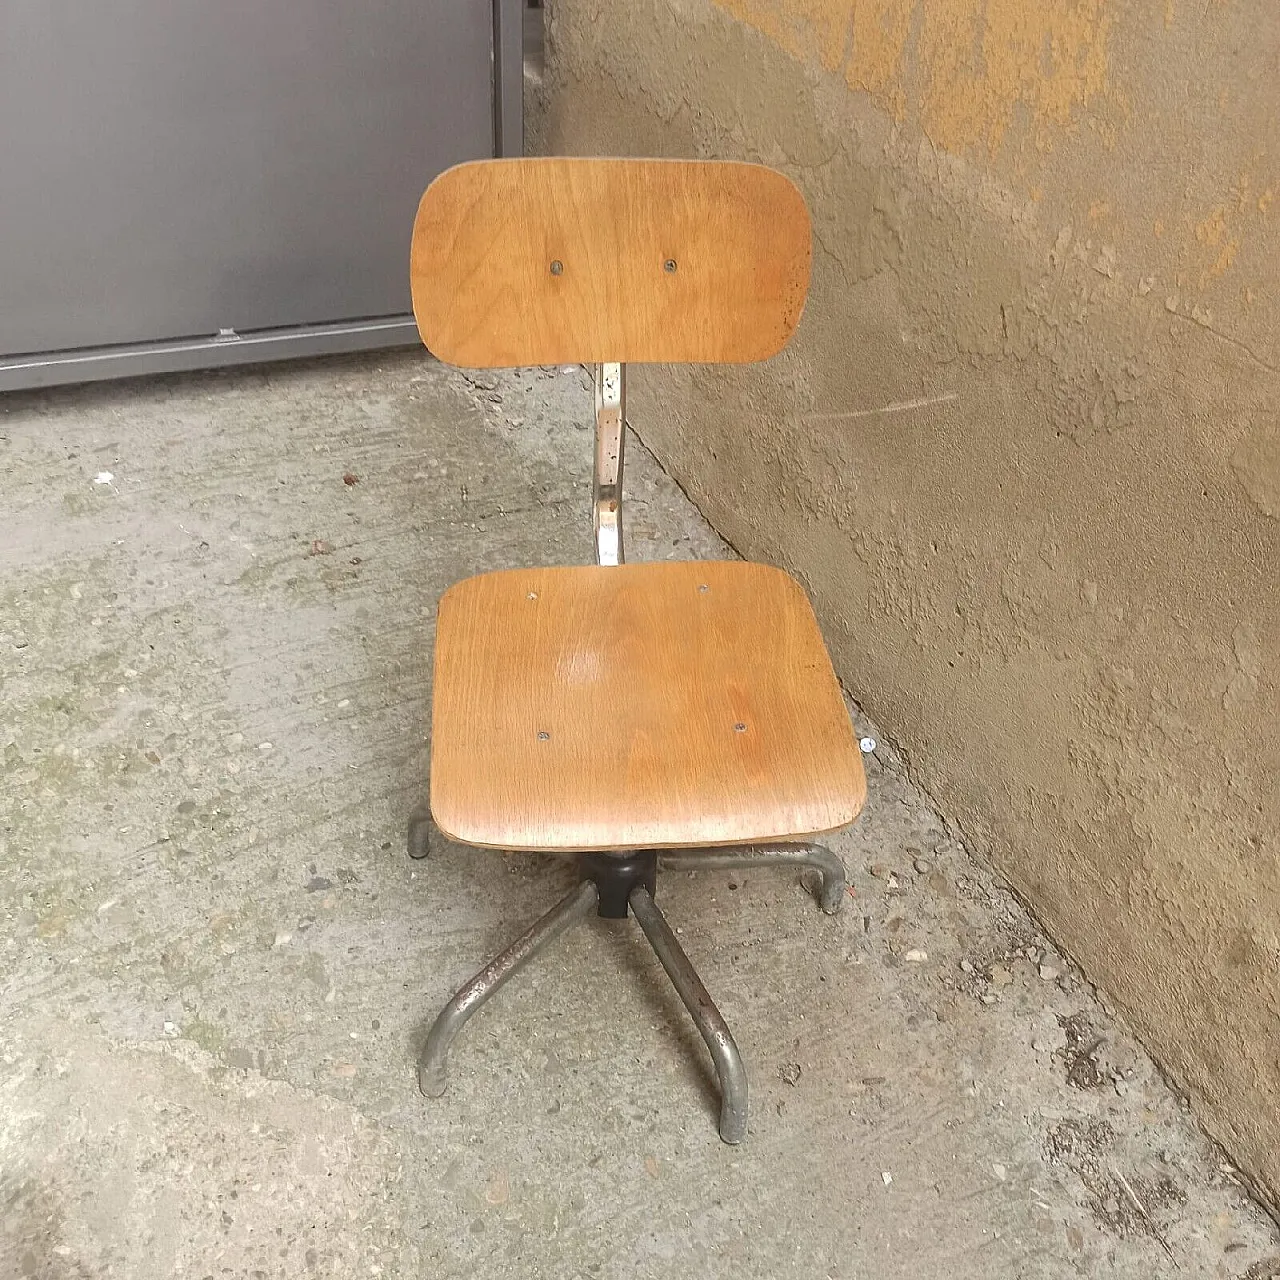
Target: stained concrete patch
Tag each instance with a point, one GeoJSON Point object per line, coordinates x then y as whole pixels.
{"type": "Point", "coordinates": [152, 1161]}
{"type": "Point", "coordinates": [216, 962]}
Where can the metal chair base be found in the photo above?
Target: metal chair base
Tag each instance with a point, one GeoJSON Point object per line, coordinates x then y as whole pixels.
{"type": "Point", "coordinates": [613, 884]}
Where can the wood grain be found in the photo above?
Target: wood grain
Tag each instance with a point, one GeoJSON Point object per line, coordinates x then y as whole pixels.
{"type": "Point", "coordinates": [487, 234]}
{"type": "Point", "coordinates": [642, 706]}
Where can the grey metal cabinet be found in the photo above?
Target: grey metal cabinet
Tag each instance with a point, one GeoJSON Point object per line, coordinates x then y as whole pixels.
{"type": "Point", "coordinates": [191, 182]}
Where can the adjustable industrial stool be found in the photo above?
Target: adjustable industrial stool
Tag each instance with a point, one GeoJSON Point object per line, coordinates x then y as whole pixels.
{"type": "Point", "coordinates": [677, 714]}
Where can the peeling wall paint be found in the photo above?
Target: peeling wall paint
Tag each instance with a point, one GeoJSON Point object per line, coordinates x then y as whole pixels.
{"type": "Point", "coordinates": [1024, 450]}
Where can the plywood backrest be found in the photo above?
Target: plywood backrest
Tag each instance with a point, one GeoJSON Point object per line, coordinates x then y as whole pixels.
{"type": "Point", "coordinates": [548, 261]}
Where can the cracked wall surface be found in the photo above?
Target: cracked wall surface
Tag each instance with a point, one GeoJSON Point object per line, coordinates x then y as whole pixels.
{"type": "Point", "coordinates": [1024, 450]}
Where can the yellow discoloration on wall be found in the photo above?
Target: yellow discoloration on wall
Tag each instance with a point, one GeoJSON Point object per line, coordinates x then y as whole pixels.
{"type": "Point", "coordinates": [1221, 232]}
{"type": "Point", "coordinates": [1226, 256]}
{"type": "Point", "coordinates": [877, 55]}
{"type": "Point", "coordinates": [1212, 232]}
{"type": "Point", "coordinates": [1213, 228]}
{"type": "Point", "coordinates": [983, 58]}
{"type": "Point", "coordinates": [976, 61]}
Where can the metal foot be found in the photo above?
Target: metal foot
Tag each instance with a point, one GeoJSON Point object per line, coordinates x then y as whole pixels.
{"type": "Point", "coordinates": [453, 1017]}
{"type": "Point", "coordinates": [707, 1018]}
{"type": "Point", "coordinates": [420, 831]}
{"type": "Point", "coordinates": [806, 854]}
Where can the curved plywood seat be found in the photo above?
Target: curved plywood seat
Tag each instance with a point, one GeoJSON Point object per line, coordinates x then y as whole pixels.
{"type": "Point", "coordinates": [638, 706]}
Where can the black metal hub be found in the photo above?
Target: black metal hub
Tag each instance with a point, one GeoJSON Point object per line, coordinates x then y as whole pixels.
{"type": "Point", "coordinates": [616, 874]}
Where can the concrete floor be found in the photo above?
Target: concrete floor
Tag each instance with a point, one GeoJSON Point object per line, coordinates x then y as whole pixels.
{"type": "Point", "coordinates": [216, 960]}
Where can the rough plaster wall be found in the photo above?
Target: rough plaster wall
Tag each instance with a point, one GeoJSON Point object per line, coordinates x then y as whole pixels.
{"type": "Point", "coordinates": [1024, 449]}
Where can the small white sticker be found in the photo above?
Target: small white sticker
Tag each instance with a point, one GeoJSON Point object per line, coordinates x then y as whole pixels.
{"type": "Point", "coordinates": [868, 745]}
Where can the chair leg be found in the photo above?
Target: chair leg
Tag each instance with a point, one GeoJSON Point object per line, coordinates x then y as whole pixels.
{"type": "Point", "coordinates": [708, 1019]}
{"type": "Point", "coordinates": [453, 1017]}
{"type": "Point", "coordinates": [419, 840]}
{"type": "Point", "coordinates": [805, 854]}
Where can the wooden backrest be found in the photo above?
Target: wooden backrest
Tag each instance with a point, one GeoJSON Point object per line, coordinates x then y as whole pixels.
{"type": "Point", "coordinates": [553, 261]}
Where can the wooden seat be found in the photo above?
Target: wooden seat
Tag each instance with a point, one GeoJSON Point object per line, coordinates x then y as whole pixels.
{"type": "Point", "coordinates": [635, 707]}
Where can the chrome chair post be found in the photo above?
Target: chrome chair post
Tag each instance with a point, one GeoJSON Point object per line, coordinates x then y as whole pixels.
{"type": "Point", "coordinates": [611, 432]}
